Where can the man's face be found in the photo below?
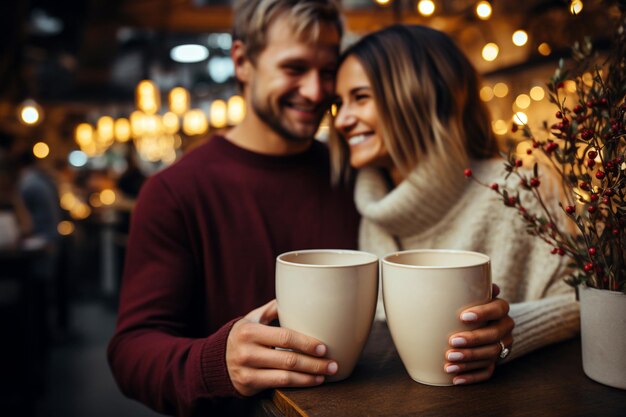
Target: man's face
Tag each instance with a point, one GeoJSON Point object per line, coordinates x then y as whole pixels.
{"type": "Point", "coordinates": [292, 82]}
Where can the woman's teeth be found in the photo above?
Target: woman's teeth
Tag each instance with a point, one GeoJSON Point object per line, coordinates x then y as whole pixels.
{"type": "Point", "coordinates": [355, 140]}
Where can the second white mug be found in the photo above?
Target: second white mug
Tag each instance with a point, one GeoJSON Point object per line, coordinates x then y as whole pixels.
{"type": "Point", "coordinates": [424, 293]}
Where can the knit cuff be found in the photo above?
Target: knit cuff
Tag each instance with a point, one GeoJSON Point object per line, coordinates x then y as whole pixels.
{"type": "Point", "coordinates": [543, 322]}
{"type": "Point", "coordinates": [213, 366]}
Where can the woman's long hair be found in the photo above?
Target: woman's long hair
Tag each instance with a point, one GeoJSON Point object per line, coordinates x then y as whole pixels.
{"type": "Point", "coordinates": [427, 97]}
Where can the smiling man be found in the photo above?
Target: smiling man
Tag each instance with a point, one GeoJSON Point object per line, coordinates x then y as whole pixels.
{"type": "Point", "coordinates": [192, 336]}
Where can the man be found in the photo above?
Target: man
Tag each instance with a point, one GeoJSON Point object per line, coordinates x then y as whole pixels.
{"type": "Point", "coordinates": [191, 338]}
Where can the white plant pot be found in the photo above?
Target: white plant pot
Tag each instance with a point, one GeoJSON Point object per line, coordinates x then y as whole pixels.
{"type": "Point", "coordinates": [603, 333]}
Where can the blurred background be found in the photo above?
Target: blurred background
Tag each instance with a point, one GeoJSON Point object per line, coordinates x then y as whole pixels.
{"type": "Point", "coordinates": [97, 95]}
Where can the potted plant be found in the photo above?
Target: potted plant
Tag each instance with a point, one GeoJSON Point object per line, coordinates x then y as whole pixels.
{"type": "Point", "coordinates": [586, 147]}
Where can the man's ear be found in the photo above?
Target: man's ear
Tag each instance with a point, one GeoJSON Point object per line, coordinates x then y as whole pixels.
{"type": "Point", "coordinates": [243, 66]}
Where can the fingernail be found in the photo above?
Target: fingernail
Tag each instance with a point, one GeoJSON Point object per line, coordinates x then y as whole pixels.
{"type": "Point", "coordinates": [458, 341]}
{"type": "Point", "coordinates": [452, 369]}
{"type": "Point", "coordinates": [319, 379]}
{"type": "Point", "coordinates": [455, 356]}
{"type": "Point", "coordinates": [332, 368]}
{"type": "Point", "coordinates": [459, 381]}
{"type": "Point", "coordinates": [469, 316]}
{"type": "Point", "coordinates": [320, 350]}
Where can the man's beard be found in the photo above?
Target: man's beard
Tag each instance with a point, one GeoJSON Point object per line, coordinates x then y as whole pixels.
{"type": "Point", "coordinates": [273, 119]}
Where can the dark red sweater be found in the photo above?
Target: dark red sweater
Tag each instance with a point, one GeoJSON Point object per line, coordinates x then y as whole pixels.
{"type": "Point", "coordinates": [202, 250]}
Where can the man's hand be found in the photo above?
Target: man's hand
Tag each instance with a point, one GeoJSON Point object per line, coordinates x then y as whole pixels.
{"type": "Point", "coordinates": [254, 365]}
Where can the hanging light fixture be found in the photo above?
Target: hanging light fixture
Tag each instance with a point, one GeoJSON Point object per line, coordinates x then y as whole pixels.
{"type": "Point", "coordinates": [30, 113]}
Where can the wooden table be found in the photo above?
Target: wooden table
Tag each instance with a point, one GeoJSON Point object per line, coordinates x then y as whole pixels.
{"type": "Point", "coordinates": [548, 382]}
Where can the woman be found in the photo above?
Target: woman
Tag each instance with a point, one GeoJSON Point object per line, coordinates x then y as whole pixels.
{"type": "Point", "coordinates": [409, 112]}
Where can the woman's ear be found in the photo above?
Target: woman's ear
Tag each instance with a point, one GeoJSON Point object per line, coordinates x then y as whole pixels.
{"type": "Point", "coordinates": [241, 62]}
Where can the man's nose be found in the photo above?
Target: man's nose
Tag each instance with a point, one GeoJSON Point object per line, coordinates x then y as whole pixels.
{"type": "Point", "coordinates": [312, 87]}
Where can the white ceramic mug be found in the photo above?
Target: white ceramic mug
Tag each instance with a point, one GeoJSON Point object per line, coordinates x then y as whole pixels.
{"type": "Point", "coordinates": [424, 293]}
{"type": "Point", "coordinates": [329, 295]}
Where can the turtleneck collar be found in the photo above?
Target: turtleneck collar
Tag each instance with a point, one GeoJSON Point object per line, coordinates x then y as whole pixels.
{"type": "Point", "coordinates": [418, 202]}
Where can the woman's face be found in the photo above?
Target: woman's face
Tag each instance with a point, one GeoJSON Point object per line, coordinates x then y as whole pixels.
{"type": "Point", "coordinates": [357, 118]}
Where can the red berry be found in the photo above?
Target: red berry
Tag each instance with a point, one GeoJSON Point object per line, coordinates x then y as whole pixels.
{"type": "Point", "coordinates": [609, 192]}
{"type": "Point", "coordinates": [592, 251]}
{"type": "Point", "coordinates": [554, 251]}
{"type": "Point", "coordinates": [616, 231]}
{"type": "Point", "coordinates": [518, 163]}
{"type": "Point", "coordinates": [591, 163]}
{"type": "Point", "coordinates": [467, 172]}
{"type": "Point", "coordinates": [606, 200]}
{"type": "Point", "coordinates": [594, 197]}
{"type": "Point", "coordinates": [529, 151]}
{"type": "Point", "coordinates": [494, 186]}
{"type": "Point", "coordinates": [592, 209]}
{"type": "Point", "coordinates": [603, 101]}
{"type": "Point", "coordinates": [535, 144]}
{"type": "Point", "coordinates": [578, 108]}
{"type": "Point", "coordinates": [561, 252]}
{"type": "Point", "coordinates": [512, 201]}
{"type": "Point", "coordinates": [600, 175]}
{"type": "Point", "coordinates": [534, 182]}
{"type": "Point", "coordinates": [570, 209]}
{"type": "Point", "coordinates": [588, 267]}
{"type": "Point", "coordinates": [590, 103]}
{"type": "Point", "coordinates": [559, 115]}
{"type": "Point", "coordinates": [584, 186]}
{"type": "Point", "coordinates": [514, 128]}
{"type": "Point", "coordinates": [592, 154]}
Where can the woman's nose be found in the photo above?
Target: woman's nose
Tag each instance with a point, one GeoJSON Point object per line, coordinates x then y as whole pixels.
{"type": "Point", "coordinates": [344, 120]}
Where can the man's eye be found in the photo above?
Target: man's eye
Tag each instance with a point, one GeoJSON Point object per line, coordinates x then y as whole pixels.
{"type": "Point", "coordinates": [294, 70]}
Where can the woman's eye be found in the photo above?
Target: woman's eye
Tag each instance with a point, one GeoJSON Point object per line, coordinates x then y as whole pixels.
{"type": "Point", "coordinates": [361, 97]}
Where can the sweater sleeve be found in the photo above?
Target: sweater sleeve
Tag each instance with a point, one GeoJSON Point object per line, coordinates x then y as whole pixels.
{"type": "Point", "coordinates": [155, 355]}
{"type": "Point", "coordinates": [542, 322]}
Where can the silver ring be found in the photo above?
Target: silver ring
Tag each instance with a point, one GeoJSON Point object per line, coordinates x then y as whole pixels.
{"type": "Point", "coordinates": [504, 352]}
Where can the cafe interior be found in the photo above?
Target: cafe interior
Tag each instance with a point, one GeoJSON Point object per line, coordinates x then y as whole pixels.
{"type": "Point", "coordinates": [98, 95]}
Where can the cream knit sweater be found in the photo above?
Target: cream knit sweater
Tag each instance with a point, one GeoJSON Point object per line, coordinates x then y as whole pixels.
{"type": "Point", "coordinates": [437, 208]}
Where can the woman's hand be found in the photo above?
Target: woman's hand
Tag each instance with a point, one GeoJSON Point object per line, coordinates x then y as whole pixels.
{"type": "Point", "coordinates": [473, 354]}
{"type": "Point", "coordinates": [254, 365]}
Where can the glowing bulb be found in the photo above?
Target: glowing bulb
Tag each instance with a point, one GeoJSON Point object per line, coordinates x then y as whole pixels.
{"type": "Point", "coordinates": [544, 49]}
{"type": "Point", "coordinates": [30, 112]}
{"type": "Point", "coordinates": [171, 124]}
{"type": "Point", "coordinates": [486, 93]}
{"type": "Point", "coordinates": [122, 130]}
{"type": "Point", "coordinates": [483, 10]}
{"type": "Point", "coordinates": [522, 101]}
{"type": "Point", "coordinates": [520, 37]}
{"type": "Point", "coordinates": [179, 100]}
{"type": "Point", "coordinates": [499, 127]}
{"type": "Point", "coordinates": [383, 2]}
{"type": "Point", "coordinates": [490, 51]}
{"type": "Point", "coordinates": [537, 93]}
{"type": "Point", "coordinates": [65, 228]}
{"type": "Point", "coordinates": [520, 118]}
{"type": "Point", "coordinates": [107, 197]}
{"type": "Point", "coordinates": [219, 114]}
{"type": "Point", "coordinates": [575, 7]}
{"type": "Point", "coordinates": [500, 90]}
{"type": "Point", "coordinates": [41, 150]}
{"type": "Point", "coordinates": [83, 134]}
{"type": "Point", "coordinates": [426, 7]}
{"type": "Point", "coordinates": [236, 110]}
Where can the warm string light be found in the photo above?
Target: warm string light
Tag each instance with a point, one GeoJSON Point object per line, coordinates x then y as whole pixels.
{"type": "Point", "coordinates": [544, 49]}
{"type": "Point", "coordinates": [575, 7]}
{"type": "Point", "coordinates": [426, 7]}
{"type": "Point", "coordinates": [483, 10]}
{"type": "Point", "coordinates": [490, 51]}
{"type": "Point", "coordinates": [520, 37]}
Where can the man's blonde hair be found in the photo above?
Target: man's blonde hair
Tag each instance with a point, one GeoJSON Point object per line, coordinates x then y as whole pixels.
{"type": "Point", "coordinates": [252, 19]}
